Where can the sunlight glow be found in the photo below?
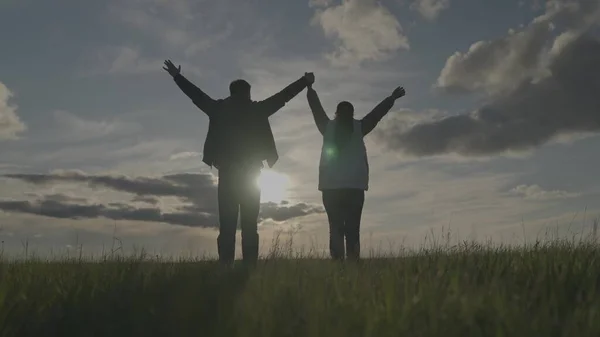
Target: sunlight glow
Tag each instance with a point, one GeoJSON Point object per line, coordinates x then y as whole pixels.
{"type": "Point", "coordinates": [273, 186]}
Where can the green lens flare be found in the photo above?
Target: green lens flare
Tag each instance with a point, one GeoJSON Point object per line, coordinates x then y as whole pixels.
{"type": "Point", "coordinates": [330, 152]}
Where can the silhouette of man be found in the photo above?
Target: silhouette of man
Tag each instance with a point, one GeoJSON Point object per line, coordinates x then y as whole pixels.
{"type": "Point", "coordinates": [239, 139]}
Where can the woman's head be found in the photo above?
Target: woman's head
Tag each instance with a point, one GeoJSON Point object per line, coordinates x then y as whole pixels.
{"type": "Point", "coordinates": [345, 110]}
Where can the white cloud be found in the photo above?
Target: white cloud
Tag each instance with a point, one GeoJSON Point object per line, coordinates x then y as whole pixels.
{"type": "Point", "coordinates": [500, 65]}
{"type": "Point", "coordinates": [116, 60]}
{"type": "Point", "coordinates": [127, 59]}
{"type": "Point", "coordinates": [434, 194]}
{"type": "Point", "coordinates": [535, 192]}
{"type": "Point", "coordinates": [184, 155]}
{"type": "Point", "coordinates": [176, 24]}
{"type": "Point", "coordinates": [404, 119]}
{"type": "Point", "coordinates": [496, 65]}
{"type": "Point", "coordinates": [319, 3]}
{"type": "Point", "coordinates": [10, 123]}
{"type": "Point", "coordinates": [430, 9]}
{"type": "Point", "coordinates": [120, 60]}
{"type": "Point", "coordinates": [364, 30]}
{"type": "Point", "coordinates": [76, 129]}
{"type": "Point", "coordinates": [154, 17]}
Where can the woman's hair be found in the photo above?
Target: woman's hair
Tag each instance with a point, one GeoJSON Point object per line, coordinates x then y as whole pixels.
{"type": "Point", "coordinates": [344, 115]}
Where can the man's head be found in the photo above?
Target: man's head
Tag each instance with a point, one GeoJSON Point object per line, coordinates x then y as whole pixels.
{"type": "Point", "coordinates": [239, 89]}
{"type": "Point", "coordinates": [345, 110]}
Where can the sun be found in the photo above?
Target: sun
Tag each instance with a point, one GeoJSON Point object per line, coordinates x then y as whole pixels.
{"type": "Point", "coordinates": [273, 186]}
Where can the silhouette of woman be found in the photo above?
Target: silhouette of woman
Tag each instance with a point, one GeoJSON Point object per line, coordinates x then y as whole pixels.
{"type": "Point", "coordinates": [344, 169]}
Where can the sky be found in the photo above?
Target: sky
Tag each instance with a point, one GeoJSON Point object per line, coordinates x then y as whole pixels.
{"type": "Point", "coordinates": [496, 139]}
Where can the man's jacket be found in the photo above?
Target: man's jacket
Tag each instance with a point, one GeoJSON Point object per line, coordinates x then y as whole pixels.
{"type": "Point", "coordinates": [239, 132]}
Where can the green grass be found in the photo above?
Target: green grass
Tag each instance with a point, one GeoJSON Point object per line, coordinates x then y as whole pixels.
{"type": "Point", "coordinates": [550, 289]}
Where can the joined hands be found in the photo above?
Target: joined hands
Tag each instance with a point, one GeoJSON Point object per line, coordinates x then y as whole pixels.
{"type": "Point", "coordinates": [309, 78]}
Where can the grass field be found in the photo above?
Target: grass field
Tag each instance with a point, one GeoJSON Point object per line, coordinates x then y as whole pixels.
{"type": "Point", "coordinates": [546, 289]}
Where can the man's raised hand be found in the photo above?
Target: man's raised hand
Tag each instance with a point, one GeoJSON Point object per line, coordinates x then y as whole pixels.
{"type": "Point", "coordinates": [171, 68]}
{"type": "Point", "coordinates": [399, 92]}
{"type": "Point", "coordinates": [310, 78]}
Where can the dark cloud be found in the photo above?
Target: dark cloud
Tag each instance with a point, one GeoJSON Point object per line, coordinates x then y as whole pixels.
{"type": "Point", "coordinates": [501, 64]}
{"type": "Point", "coordinates": [145, 199]}
{"type": "Point", "coordinates": [114, 211]}
{"type": "Point", "coordinates": [52, 209]}
{"type": "Point", "coordinates": [285, 211]}
{"type": "Point", "coordinates": [59, 197]}
{"type": "Point", "coordinates": [565, 102]}
{"type": "Point", "coordinates": [197, 191]}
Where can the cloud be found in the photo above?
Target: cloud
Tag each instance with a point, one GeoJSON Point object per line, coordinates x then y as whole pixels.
{"type": "Point", "coordinates": [430, 9]}
{"type": "Point", "coordinates": [114, 211]}
{"type": "Point", "coordinates": [535, 192]}
{"type": "Point", "coordinates": [116, 60]}
{"type": "Point", "coordinates": [126, 59]}
{"type": "Point", "coordinates": [198, 189]}
{"type": "Point", "coordinates": [197, 192]}
{"type": "Point", "coordinates": [156, 18]}
{"type": "Point", "coordinates": [145, 199]}
{"type": "Point", "coordinates": [502, 64]}
{"type": "Point", "coordinates": [175, 23]}
{"type": "Point", "coordinates": [285, 210]}
{"type": "Point", "coordinates": [319, 3]}
{"type": "Point", "coordinates": [76, 129]}
{"type": "Point", "coordinates": [184, 155]}
{"type": "Point", "coordinates": [181, 30]}
{"type": "Point", "coordinates": [10, 123]}
{"type": "Point", "coordinates": [64, 198]}
{"type": "Point", "coordinates": [565, 102]}
{"type": "Point", "coordinates": [364, 30]}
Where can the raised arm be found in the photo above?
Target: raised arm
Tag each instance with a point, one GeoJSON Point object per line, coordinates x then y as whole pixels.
{"type": "Point", "coordinates": [198, 97]}
{"type": "Point", "coordinates": [318, 112]}
{"type": "Point", "coordinates": [274, 103]}
{"type": "Point", "coordinates": [370, 121]}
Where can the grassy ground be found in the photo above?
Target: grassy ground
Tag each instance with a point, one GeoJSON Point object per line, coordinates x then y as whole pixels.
{"type": "Point", "coordinates": [541, 290]}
